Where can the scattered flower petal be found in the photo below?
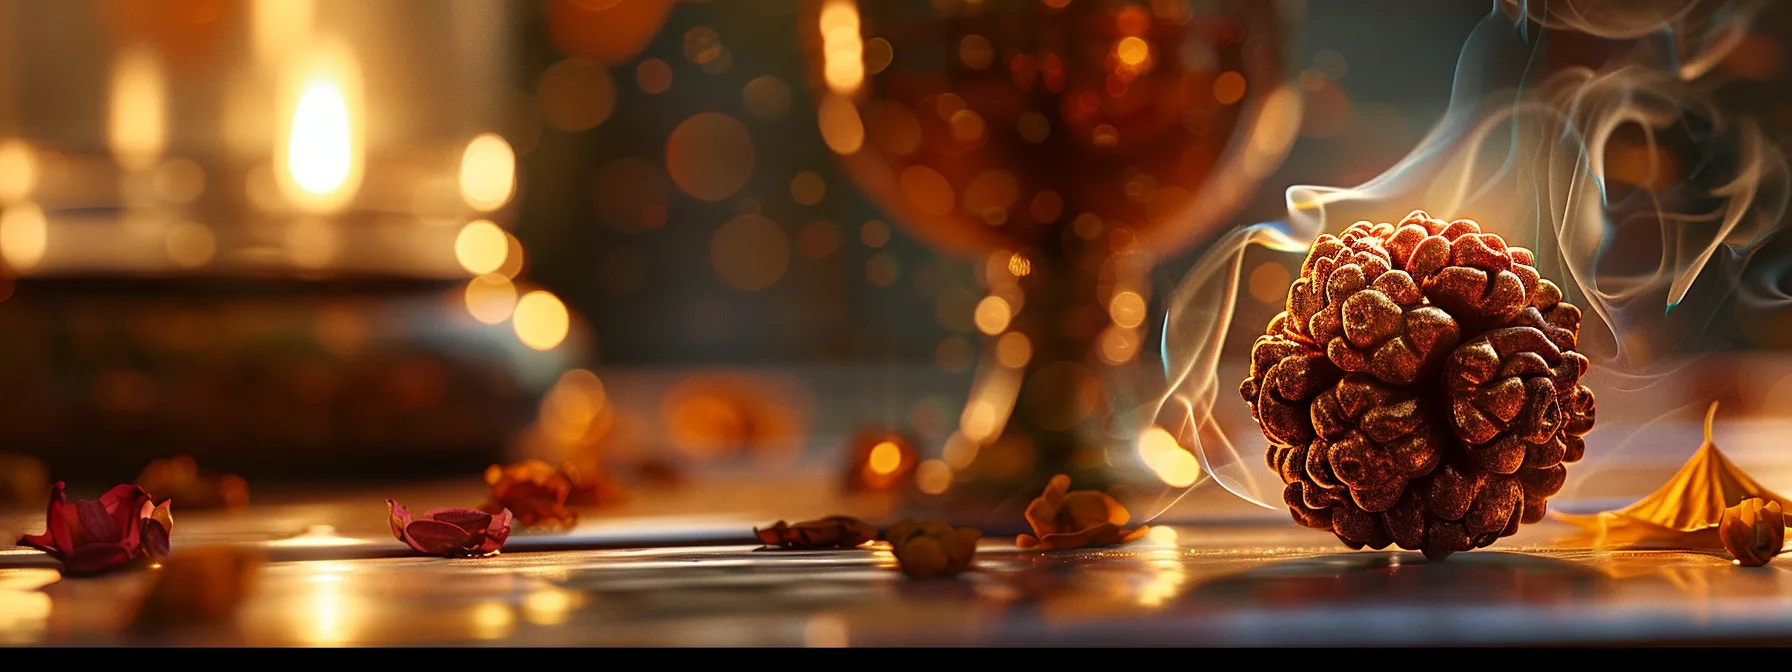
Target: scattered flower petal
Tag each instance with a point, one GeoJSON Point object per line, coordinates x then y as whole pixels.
{"type": "Point", "coordinates": [932, 549]}
{"type": "Point", "coordinates": [92, 536]}
{"type": "Point", "coordinates": [179, 478]}
{"type": "Point", "coordinates": [535, 492]}
{"type": "Point", "coordinates": [829, 532]}
{"type": "Point", "coordinates": [202, 585]}
{"type": "Point", "coordinates": [1062, 519]}
{"type": "Point", "coordinates": [1753, 531]}
{"type": "Point", "coordinates": [449, 532]}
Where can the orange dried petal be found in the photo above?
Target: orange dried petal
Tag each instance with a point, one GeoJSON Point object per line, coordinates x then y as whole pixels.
{"type": "Point", "coordinates": [1062, 519]}
{"type": "Point", "coordinates": [931, 549]}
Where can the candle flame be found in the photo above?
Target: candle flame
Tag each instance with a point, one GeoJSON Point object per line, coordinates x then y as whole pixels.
{"type": "Point", "coordinates": [320, 152]}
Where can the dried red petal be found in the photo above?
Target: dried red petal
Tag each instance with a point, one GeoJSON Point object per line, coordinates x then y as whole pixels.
{"type": "Point", "coordinates": [829, 532]}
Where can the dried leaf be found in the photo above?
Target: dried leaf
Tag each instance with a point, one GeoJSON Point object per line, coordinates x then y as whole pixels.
{"type": "Point", "coordinates": [932, 549]}
{"type": "Point", "coordinates": [1063, 519]}
{"type": "Point", "coordinates": [829, 532]}
{"type": "Point", "coordinates": [1686, 511]}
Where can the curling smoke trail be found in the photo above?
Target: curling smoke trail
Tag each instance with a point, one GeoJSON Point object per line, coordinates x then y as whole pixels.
{"type": "Point", "coordinates": [1582, 130]}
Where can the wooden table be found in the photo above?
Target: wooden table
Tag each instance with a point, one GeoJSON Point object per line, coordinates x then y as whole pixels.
{"type": "Point", "coordinates": [653, 574]}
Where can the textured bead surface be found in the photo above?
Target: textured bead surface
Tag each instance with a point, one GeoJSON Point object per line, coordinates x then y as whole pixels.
{"type": "Point", "coordinates": [1422, 387]}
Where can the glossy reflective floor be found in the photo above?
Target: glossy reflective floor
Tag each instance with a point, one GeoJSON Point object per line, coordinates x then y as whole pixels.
{"type": "Point", "coordinates": [1248, 582]}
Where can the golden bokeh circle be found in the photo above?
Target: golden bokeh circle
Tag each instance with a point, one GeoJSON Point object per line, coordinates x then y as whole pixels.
{"type": "Point", "coordinates": [710, 156]}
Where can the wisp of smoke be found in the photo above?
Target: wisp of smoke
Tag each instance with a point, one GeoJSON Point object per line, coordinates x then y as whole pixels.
{"type": "Point", "coordinates": [1580, 129]}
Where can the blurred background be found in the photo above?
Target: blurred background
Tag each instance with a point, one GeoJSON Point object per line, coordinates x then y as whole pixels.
{"type": "Point", "coordinates": [332, 240]}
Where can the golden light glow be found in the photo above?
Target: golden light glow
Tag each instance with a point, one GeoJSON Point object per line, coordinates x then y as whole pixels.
{"type": "Point", "coordinates": [1127, 309]}
{"type": "Point", "coordinates": [191, 244]}
{"type": "Point", "coordinates": [513, 257]}
{"type": "Point", "coordinates": [960, 451]}
{"type": "Point", "coordinates": [312, 242]}
{"type": "Point", "coordinates": [886, 458]}
{"type": "Point", "coordinates": [488, 173]}
{"type": "Point", "coordinates": [981, 421]}
{"type": "Point", "coordinates": [138, 125]}
{"type": "Point", "coordinates": [320, 153]}
{"type": "Point", "coordinates": [843, 48]}
{"type": "Point", "coordinates": [1175, 466]}
{"type": "Point", "coordinates": [277, 24]}
{"type": "Point", "coordinates": [992, 315]}
{"type": "Point", "coordinates": [491, 620]}
{"type": "Point", "coordinates": [330, 622]}
{"type": "Point", "coordinates": [1019, 265]}
{"type": "Point", "coordinates": [1132, 51]}
{"type": "Point", "coordinates": [481, 247]}
{"type": "Point", "coordinates": [549, 606]}
{"type": "Point", "coordinates": [18, 171]}
{"type": "Point", "coordinates": [1013, 350]}
{"type": "Point", "coordinates": [878, 54]}
{"type": "Point", "coordinates": [570, 408]}
{"type": "Point", "coordinates": [490, 298]}
{"type": "Point", "coordinates": [1162, 535]}
{"type": "Point", "coordinates": [24, 616]}
{"type": "Point", "coordinates": [318, 536]}
{"type": "Point", "coordinates": [840, 124]}
{"type": "Point", "coordinates": [24, 235]}
{"type": "Point", "coordinates": [825, 631]}
{"type": "Point", "coordinates": [541, 320]}
{"type": "Point", "coordinates": [933, 477]}
{"type": "Point", "coordinates": [1119, 344]}
{"type": "Point", "coordinates": [1229, 87]}
{"type": "Point", "coordinates": [710, 156]}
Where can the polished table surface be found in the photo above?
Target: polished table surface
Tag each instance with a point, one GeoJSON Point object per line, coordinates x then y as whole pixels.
{"type": "Point", "coordinates": [682, 578]}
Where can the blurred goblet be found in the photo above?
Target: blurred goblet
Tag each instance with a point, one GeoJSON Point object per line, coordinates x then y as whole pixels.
{"type": "Point", "coordinates": [1068, 142]}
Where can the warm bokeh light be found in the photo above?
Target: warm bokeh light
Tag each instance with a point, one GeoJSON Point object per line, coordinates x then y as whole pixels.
{"type": "Point", "coordinates": [808, 188]}
{"type": "Point", "coordinates": [842, 47]}
{"type": "Point", "coordinates": [1132, 51]}
{"type": "Point", "coordinates": [138, 126]}
{"type": "Point", "coordinates": [487, 173]}
{"type": "Point", "coordinates": [960, 451]}
{"type": "Point", "coordinates": [874, 234]}
{"type": "Point", "coordinates": [750, 252]}
{"type": "Point", "coordinates": [976, 52]}
{"type": "Point", "coordinates": [1173, 464]}
{"type": "Point", "coordinates": [576, 95]}
{"type": "Point", "coordinates": [928, 190]}
{"type": "Point", "coordinates": [653, 76]}
{"type": "Point", "coordinates": [1119, 345]}
{"type": "Point", "coordinates": [1013, 350]}
{"type": "Point", "coordinates": [312, 242]}
{"type": "Point", "coordinates": [490, 298]}
{"type": "Point", "coordinates": [841, 127]}
{"type": "Point", "coordinates": [767, 97]}
{"type": "Point", "coordinates": [179, 180]}
{"type": "Point", "coordinates": [710, 156]}
{"type": "Point", "coordinates": [1229, 87]}
{"type": "Point", "coordinates": [513, 257]}
{"type": "Point", "coordinates": [1127, 309]}
{"type": "Point", "coordinates": [570, 411]}
{"type": "Point", "coordinates": [606, 31]}
{"type": "Point", "coordinates": [993, 315]}
{"type": "Point", "coordinates": [18, 171]}
{"type": "Point", "coordinates": [1269, 283]}
{"type": "Point", "coordinates": [24, 235]}
{"type": "Point", "coordinates": [541, 320]}
{"type": "Point", "coordinates": [481, 247]}
{"type": "Point", "coordinates": [886, 458]}
{"type": "Point", "coordinates": [933, 477]}
{"type": "Point", "coordinates": [191, 244]}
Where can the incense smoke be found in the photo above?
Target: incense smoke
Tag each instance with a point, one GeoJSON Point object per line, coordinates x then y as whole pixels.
{"type": "Point", "coordinates": [1583, 130]}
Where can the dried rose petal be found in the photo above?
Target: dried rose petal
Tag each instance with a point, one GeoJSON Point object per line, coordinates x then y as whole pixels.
{"type": "Point", "coordinates": [453, 532]}
{"type": "Point", "coordinates": [932, 549]}
{"type": "Point", "coordinates": [829, 532]}
{"type": "Point", "coordinates": [1753, 531]}
{"type": "Point", "coordinates": [92, 536]}
{"type": "Point", "coordinates": [1063, 520]}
